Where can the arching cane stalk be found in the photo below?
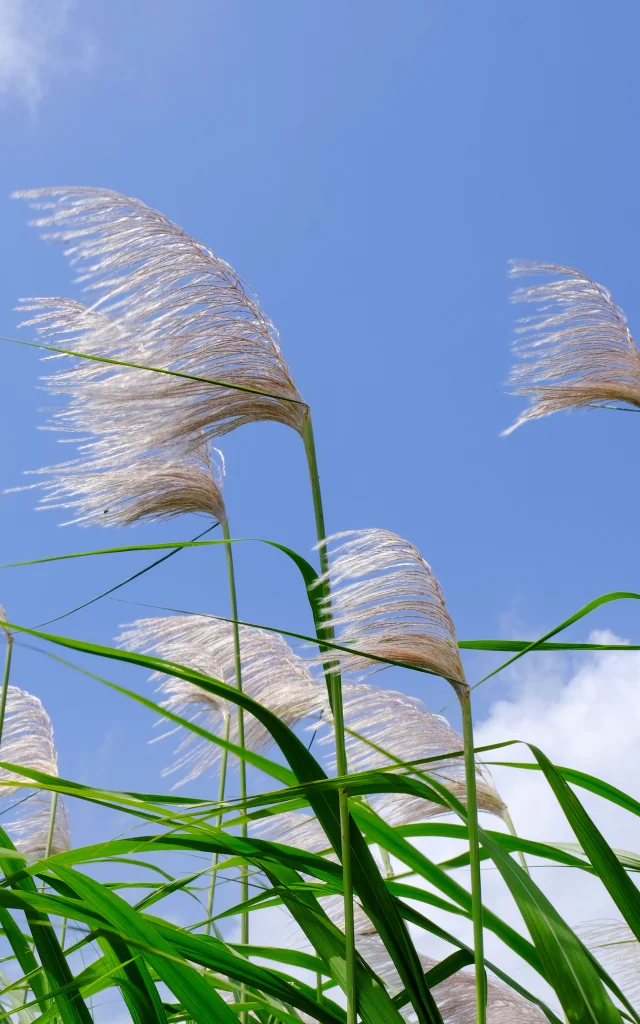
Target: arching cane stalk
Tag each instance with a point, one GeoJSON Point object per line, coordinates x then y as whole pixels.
{"type": "Point", "coordinates": [334, 687]}
{"type": "Point", "coordinates": [386, 601]}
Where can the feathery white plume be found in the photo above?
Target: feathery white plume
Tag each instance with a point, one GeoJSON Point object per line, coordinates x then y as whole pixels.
{"type": "Point", "coordinates": [455, 997]}
{"type": "Point", "coordinates": [152, 489]}
{"type": "Point", "coordinates": [27, 740]}
{"type": "Point", "coordinates": [172, 304]}
{"type": "Point", "coordinates": [577, 347]}
{"type": "Point", "coordinates": [407, 730]}
{"type": "Point", "coordinates": [613, 943]}
{"type": "Point", "coordinates": [294, 828]}
{"type": "Point", "coordinates": [385, 601]}
{"type": "Point", "coordinates": [272, 674]}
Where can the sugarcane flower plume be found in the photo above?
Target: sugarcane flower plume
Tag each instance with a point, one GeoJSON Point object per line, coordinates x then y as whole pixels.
{"type": "Point", "coordinates": [164, 300]}
{"type": "Point", "coordinates": [456, 996]}
{"type": "Point", "coordinates": [295, 828]}
{"type": "Point", "coordinates": [272, 674]}
{"type": "Point", "coordinates": [615, 946]}
{"type": "Point", "coordinates": [152, 489]}
{"type": "Point", "coordinates": [385, 728]}
{"type": "Point", "coordinates": [577, 349]}
{"type": "Point", "coordinates": [385, 601]}
{"type": "Point", "coordinates": [27, 741]}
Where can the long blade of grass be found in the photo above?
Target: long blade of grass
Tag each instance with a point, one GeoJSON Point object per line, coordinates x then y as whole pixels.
{"type": "Point", "coordinates": [367, 879]}
{"type": "Point", "coordinates": [123, 583]}
{"type": "Point", "coordinates": [150, 369]}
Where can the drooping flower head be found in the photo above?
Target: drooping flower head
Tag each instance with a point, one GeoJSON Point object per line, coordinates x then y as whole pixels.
{"type": "Point", "coordinates": [386, 727]}
{"type": "Point", "coordinates": [161, 299]}
{"type": "Point", "coordinates": [385, 601]}
{"type": "Point", "coordinates": [27, 741]}
{"type": "Point", "coordinates": [272, 674]}
{"type": "Point", "coordinates": [151, 489]}
{"type": "Point", "coordinates": [456, 996]}
{"type": "Point", "coordinates": [576, 349]}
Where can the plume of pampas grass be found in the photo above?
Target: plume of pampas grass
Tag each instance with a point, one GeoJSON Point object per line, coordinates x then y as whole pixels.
{"type": "Point", "coordinates": [151, 489]}
{"type": "Point", "coordinates": [455, 996]}
{"type": "Point", "coordinates": [172, 304]}
{"type": "Point", "coordinates": [31, 830]}
{"type": "Point", "coordinates": [272, 674]}
{"type": "Point", "coordinates": [294, 828]}
{"type": "Point", "coordinates": [577, 348]}
{"type": "Point", "coordinates": [615, 946]}
{"type": "Point", "coordinates": [27, 740]}
{"type": "Point", "coordinates": [386, 601]}
{"type": "Point", "coordinates": [402, 728]}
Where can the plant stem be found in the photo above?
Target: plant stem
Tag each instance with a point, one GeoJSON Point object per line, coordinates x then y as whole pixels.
{"type": "Point", "coordinates": [464, 696]}
{"type": "Point", "coordinates": [52, 825]}
{"type": "Point", "coordinates": [334, 687]}
{"type": "Point", "coordinates": [214, 862]}
{"type": "Point", "coordinates": [5, 682]}
{"type": "Point", "coordinates": [244, 876]}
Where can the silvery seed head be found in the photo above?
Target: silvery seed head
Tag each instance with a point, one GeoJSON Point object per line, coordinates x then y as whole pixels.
{"type": "Point", "coordinates": [386, 727]}
{"type": "Point", "coordinates": [151, 489]}
{"type": "Point", "coordinates": [576, 349]}
{"type": "Point", "coordinates": [158, 298]}
{"type": "Point", "coordinates": [272, 674]}
{"type": "Point", "coordinates": [27, 741]}
{"type": "Point", "coordinates": [386, 601]}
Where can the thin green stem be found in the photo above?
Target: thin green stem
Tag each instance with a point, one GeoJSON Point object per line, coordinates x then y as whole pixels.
{"type": "Point", "coordinates": [464, 697]}
{"type": "Point", "coordinates": [244, 875]}
{"type": "Point", "coordinates": [334, 687]}
{"type": "Point", "coordinates": [221, 789]}
{"type": "Point", "coordinates": [5, 682]}
{"type": "Point", "coordinates": [51, 831]}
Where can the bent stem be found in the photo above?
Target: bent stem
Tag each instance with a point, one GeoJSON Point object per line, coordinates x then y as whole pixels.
{"type": "Point", "coordinates": [464, 697]}
{"type": "Point", "coordinates": [221, 788]}
{"type": "Point", "coordinates": [244, 876]}
{"type": "Point", "coordinates": [334, 688]}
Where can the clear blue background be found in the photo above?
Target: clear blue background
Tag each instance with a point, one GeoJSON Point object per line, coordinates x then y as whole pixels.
{"type": "Point", "coordinates": [368, 168]}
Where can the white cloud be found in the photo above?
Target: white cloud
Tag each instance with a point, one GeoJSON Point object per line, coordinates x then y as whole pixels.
{"type": "Point", "coordinates": [35, 43]}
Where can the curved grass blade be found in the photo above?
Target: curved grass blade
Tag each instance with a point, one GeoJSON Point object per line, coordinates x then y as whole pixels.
{"type": "Point", "coordinates": [123, 583]}
{"type": "Point", "coordinates": [368, 883]}
{"type": "Point", "coordinates": [198, 997]}
{"type": "Point", "coordinates": [72, 1008]}
{"type": "Point", "coordinates": [604, 861]}
{"type": "Point", "coordinates": [598, 602]}
{"type": "Point", "coordinates": [150, 369]}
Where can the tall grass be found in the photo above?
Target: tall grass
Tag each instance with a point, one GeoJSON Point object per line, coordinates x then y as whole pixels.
{"type": "Point", "coordinates": [174, 352]}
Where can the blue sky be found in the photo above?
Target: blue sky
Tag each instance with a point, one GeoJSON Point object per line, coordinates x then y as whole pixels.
{"type": "Point", "coordinates": [368, 168]}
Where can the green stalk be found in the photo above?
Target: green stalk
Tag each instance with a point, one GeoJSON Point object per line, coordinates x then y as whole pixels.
{"type": "Point", "coordinates": [52, 824]}
{"type": "Point", "coordinates": [464, 697]}
{"type": "Point", "coordinates": [221, 788]}
{"type": "Point", "coordinates": [334, 687]}
{"type": "Point", "coordinates": [244, 875]}
{"type": "Point", "coordinates": [5, 681]}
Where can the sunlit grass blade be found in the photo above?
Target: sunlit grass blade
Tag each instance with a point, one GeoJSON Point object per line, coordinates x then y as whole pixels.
{"type": "Point", "coordinates": [367, 880]}
{"type": "Point", "coordinates": [605, 863]}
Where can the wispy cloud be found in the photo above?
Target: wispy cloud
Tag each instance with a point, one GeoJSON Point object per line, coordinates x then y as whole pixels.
{"type": "Point", "coordinates": [36, 43]}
